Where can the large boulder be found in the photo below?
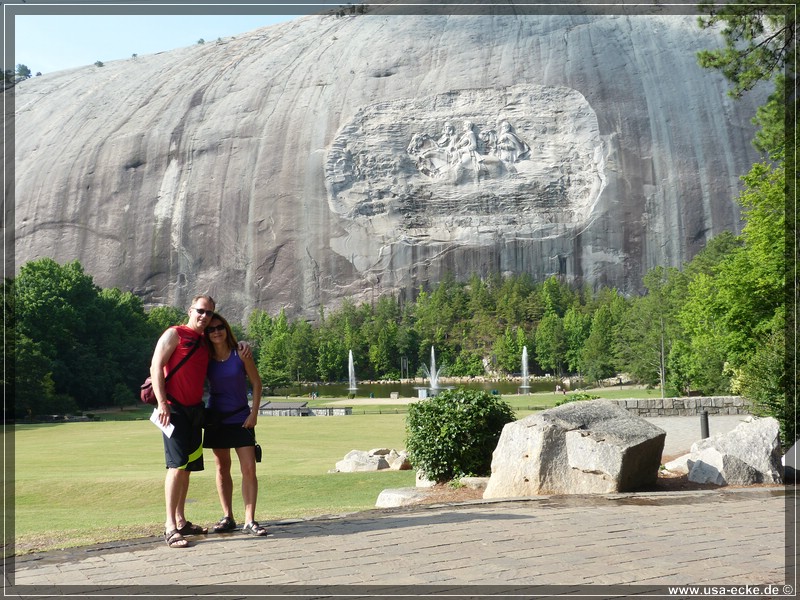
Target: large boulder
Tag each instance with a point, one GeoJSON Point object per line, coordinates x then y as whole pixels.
{"type": "Point", "coordinates": [576, 448]}
{"type": "Point", "coordinates": [276, 173]}
{"type": "Point", "coordinates": [749, 454]}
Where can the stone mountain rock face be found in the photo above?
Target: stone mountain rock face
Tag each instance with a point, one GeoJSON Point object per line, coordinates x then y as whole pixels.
{"type": "Point", "coordinates": [332, 157]}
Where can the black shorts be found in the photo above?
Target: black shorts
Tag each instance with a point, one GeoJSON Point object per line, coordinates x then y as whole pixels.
{"type": "Point", "coordinates": [228, 436]}
{"type": "Point", "coordinates": [184, 449]}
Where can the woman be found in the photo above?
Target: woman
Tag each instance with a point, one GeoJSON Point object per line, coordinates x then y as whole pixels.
{"type": "Point", "coordinates": [234, 421]}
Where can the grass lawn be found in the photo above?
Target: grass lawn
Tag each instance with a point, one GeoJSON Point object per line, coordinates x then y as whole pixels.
{"type": "Point", "coordinates": [83, 483]}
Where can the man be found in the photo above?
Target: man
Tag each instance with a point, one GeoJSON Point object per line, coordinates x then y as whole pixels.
{"type": "Point", "coordinates": [180, 402]}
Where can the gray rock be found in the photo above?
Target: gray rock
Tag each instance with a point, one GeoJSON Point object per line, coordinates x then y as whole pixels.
{"type": "Point", "coordinates": [399, 497]}
{"type": "Point", "coordinates": [749, 454]}
{"type": "Point", "coordinates": [679, 465]}
{"type": "Point", "coordinates": [474, 483]}
{"type": "Point", "coordinates": [399, 461]}
{"type": "Point", "coordinates": [422, 480]}
{"type": "Point", "coordinates": [360, 460]}
{"type": "Point", "coordinates": [576, 448]}
{"type": "Point", "coordinates": [276, 173]}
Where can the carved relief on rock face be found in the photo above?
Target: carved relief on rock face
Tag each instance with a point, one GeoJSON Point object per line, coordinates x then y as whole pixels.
{"type": "Point", "coordinates": [465, 167]}
{"type": "Point", "coordinates": [482, 156]}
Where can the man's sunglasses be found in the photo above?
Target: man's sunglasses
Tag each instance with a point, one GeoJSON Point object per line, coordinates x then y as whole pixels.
{"type": "Point", "coordinates": [217, 328]}
{"type": "Point", "coordinates": [202, 311]}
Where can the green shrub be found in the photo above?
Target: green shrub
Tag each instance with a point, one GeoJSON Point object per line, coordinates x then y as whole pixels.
{"type": "Point", "coordinates": [577, 398]}
{"type": "Point", "coordinates": [454, 433]}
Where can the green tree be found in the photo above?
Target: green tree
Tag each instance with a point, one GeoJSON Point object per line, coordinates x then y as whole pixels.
{"type": "Point", "coordinates": [577, 326]}
{"type": "Point", "coordinates": [764, 380]}
{"type": "Point", "coordinates": [124, 336]}
{"type": "Point", "coordinates": [759, 42]}
{"type": "Point", "coordinates": [122, 396]}
{"type": "Point", "coordinates": [383, 353]}
{"type": "Point", "coordinates": [507, 352]}
{"type": "Point", "coordinates": [332, 356]}
{"type": "Point", "coordinates": [468, 364]}
{"type": "Point", "coordinates": [303, 351]}
{"type": "Point", "coordinates": [551, 344]}
{"type": "Point", "coordinates": [161, 318]}
{"type": "Point", "coordinates": [512, 300]}
{"type": "Point", "coordinates": [54, 307]}
{"type": "Point", "coordinates": [732, 302]}
{"type": "Point", "coordinates": [407, 339]}
{"type": "Point", "coordinates": [273, 364]}
{"type": "Point", "coordinates": [23, 72]}
{"type": "Point", "coordinates": [597, 357]}
{"type": "Point", "coordinates": [650, 327]}
{"type": "Point", "coordinates": [553, 297]}
{"type": "Point", "coordinates": [83, 339]}
{"type": "Point", "coordinates": [34, 389]}
{"type": "Point", "coordinates": [259, 329]}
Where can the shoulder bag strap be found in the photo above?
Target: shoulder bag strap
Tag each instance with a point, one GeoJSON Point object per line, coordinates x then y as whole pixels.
{"type": "Point", "coordinates": [183, 360]}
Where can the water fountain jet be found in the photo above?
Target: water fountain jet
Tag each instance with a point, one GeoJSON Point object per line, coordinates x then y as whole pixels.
{"type": "Point", "coordinates": [525, 388]}
{"type": "Point", "coordinates": [351, 371]}
{"type": "Point", "coordinates": [433, 376]}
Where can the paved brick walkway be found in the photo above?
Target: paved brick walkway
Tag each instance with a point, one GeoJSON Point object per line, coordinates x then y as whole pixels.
{"type": "Point", "coordinates": [616, 544]}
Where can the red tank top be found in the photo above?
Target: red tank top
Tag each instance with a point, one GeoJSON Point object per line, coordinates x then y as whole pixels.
{"type": "Point", "coordinates": [186, 386]}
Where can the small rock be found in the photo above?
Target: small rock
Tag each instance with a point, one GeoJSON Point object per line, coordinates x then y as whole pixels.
{"type": "Point", "coordinates": [423, 481]}
{"type": "Point", "coordinates": [474, 483]}
{"type": "Point", "coordinates": [679, 465]}
{"type": "Point", "coordinates": [398, 497]}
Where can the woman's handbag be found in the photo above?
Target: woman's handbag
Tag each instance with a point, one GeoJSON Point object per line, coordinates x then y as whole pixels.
{"type": "Point", "coordinates": [258, 448]}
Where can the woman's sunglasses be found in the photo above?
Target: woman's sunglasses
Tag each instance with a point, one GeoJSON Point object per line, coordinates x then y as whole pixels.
{"type": "Point", "coordinates": [217, 328]}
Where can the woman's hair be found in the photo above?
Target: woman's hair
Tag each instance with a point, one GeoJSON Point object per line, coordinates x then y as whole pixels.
{"type": "Point", "coordinates": [230, 339]}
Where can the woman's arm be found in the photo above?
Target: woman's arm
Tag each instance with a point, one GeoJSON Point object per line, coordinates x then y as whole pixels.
{"type": "Point", "coordinates": [255, 383]}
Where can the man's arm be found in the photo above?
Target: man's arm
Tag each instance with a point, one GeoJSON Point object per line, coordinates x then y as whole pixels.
{"type": "Point", "coordinates": [164, 348]}
{"type": "Point", "coordinates": [244, 349]}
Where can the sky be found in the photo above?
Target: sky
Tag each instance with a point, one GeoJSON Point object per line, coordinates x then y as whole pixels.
{"type": "Point", "coordinates": [48, 43]}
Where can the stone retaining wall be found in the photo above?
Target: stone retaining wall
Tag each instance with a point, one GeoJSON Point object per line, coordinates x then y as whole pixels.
{"type": "Point", "coordinates": [686, 406]}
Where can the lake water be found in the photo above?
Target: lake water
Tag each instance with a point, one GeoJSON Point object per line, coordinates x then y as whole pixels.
{"type": "Point", "coordinates": [408, 390]}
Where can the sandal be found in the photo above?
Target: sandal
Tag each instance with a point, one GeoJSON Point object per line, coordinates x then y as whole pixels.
{"type": "Point", "coordinates": [225, 524]}
{"type": "Point", "coordinates": [174, 539]}
{"type": "Point", "coordinates": [191, 529]}
{"type": "Point", "coordinates": [253, 528]}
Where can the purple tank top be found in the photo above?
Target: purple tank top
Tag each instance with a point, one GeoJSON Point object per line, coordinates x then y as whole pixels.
{"type": "Point", "coordinates": [227, 383]}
